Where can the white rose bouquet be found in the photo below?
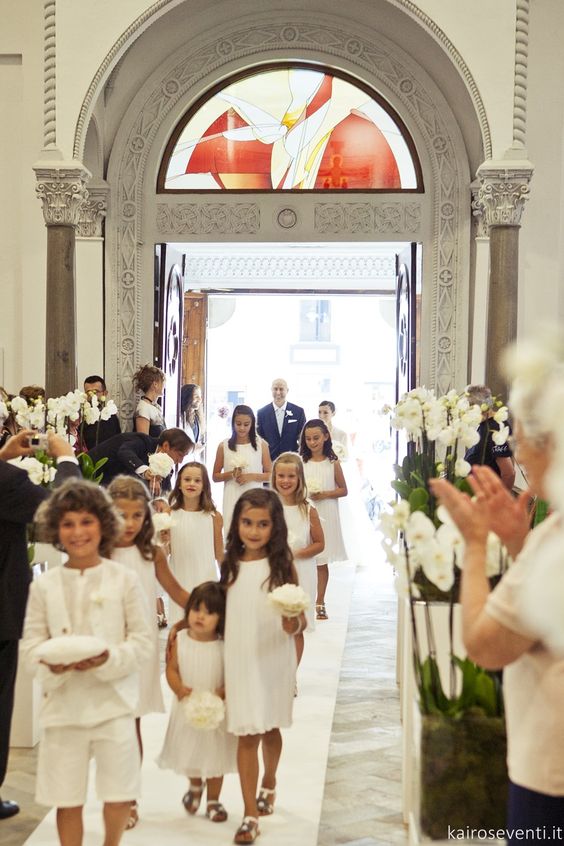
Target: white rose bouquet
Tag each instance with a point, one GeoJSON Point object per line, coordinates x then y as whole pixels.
{"type": "Point", "coordinates": [204, 710]}
{"type": "Point", "coordinates": [161, 464]}
{"type": "Point", "coordinates": [162, 521]}
{"type": "Point", "coordinates": [314, 487]}
{"type": "Point", "coordinates": [289, 600]}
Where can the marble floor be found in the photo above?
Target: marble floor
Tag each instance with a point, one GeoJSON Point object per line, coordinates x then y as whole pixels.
{"type": "Point", "coordinates": [361, 803]}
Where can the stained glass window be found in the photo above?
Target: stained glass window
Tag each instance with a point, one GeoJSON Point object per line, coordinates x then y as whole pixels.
{"type": "Point", "coordinates": [291, 128]}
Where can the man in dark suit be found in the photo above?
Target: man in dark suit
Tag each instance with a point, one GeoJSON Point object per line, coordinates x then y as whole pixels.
{"type": "Point", "coordinates": [128, 454]}
{"type": "Point", "coordinates": [19, 500]}
{"type": "Point", "coordinates": [94, 433]}
{"type": "Point", "coordinates": [280, 422]}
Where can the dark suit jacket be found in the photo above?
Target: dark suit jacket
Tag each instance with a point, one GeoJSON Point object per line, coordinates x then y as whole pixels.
{"type": "Point", "coordinates": [19, 500]}
{"type": "Point", "coordinates": [267, 427]}
{"type": "Point", "coordinates": [125, 453]}
{"type": "Point", "coordinates": [103, 431]}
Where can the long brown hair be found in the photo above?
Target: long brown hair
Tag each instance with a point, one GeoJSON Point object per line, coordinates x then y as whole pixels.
{"type": "Point", "coordinates": [248, 412]}
{"type": "Point", "coordinates": [126, 487]}
{"type": "Point", "coordinates": [301, 491]}
{"type": "Point", "coordinates": [206, 502]}
{"type": "Point", "coordinates": [305, 451]}
{"type": "Point", "coordinates": [278, 552]}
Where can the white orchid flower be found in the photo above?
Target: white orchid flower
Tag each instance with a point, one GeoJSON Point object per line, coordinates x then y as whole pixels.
{"type": "Point", "coordinates": [500, 437]}
{"type": "Point", "coordinates": [501, 414]}
{"type": "Point", "coordinates": [419, 529]}
{"type": "Point", "coordinates": [462, 468]}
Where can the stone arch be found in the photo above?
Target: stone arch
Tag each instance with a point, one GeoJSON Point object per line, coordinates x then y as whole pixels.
{"type": "Point", "coordinates": [384, 66]}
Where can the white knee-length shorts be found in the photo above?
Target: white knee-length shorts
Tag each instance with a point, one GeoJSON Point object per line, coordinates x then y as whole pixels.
{"type": "Point", "coordinates": [64, 759]}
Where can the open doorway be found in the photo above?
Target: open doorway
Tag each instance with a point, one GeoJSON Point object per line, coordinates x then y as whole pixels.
{"type": "Point", "coordinates": [322, 316]}
{"type": "Point", "coordinates": [327, 346]}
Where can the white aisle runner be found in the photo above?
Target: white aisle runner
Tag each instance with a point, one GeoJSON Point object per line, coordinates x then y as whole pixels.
{"type": "Point", "coordinates": [301, 775]}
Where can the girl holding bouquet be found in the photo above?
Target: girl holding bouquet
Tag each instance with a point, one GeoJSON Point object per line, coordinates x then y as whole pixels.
{"type": "Point", "coordinates": [260, 656]}
{"type": "Point", "coordinates": [195, 663]}
{"type": "Point", "coordinates": [242, 461]}
{"type": "Point", "coordinates": [305, 535]}
{"type": "Point", "coordinates": [196, 530]}
{"type": "Point", "coordinates": [136, 550]}
{"type": "Point", "coordinates": [325, 485]}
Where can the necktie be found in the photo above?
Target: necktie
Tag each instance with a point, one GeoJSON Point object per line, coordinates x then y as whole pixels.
{"type": "Point", "coordinates": [280, 419]}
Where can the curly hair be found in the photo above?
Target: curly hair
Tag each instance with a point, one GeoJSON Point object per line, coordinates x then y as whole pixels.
{"type": "Point", "coordinates": [277, 550]}
{"type": "Point", "coordinates": [176, 498]}
{"type": "Point", "coordinates": [212, 595]}
{"type": "Point", "coordinates": [301, 491]}
{"type": "Point", "coordinates": [328, 451]}
{"type": "Point", "coordinates": [127, 487]}
{"type": "Point", "coordinates": [248, 411]}
{"type": "Point", "coordinates": [79, 496]}
{"type": "Point", "coordinates": [144, 377]}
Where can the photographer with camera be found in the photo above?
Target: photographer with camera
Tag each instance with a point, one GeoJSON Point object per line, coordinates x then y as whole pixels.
{"type": "Point", "coordinates": [19, 500]}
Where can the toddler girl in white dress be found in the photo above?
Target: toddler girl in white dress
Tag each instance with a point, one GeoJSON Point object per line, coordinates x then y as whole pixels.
{"type": "Point", "coordinates": [195, 662]}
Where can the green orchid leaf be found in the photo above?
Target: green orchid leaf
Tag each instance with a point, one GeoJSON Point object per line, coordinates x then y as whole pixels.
{"type": "Point", "coordinates": [418, 499]}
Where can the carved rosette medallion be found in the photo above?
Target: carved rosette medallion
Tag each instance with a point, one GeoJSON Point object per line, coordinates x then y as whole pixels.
{"type": "Point", "coordinates": [502, 192]}
{"type": "Point", "coordinates": [62, 191]}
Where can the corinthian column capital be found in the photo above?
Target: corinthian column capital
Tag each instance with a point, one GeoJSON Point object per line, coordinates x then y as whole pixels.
{"type": "Point", "coordinates": [61, 187]}
{"type": "Point", "coordinates": [503, 187]}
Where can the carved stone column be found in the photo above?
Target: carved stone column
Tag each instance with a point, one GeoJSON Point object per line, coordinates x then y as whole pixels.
{"type": "Point", "coordinates": [61, 187]}
{"type": "Point", "coordinates": [503, 189]}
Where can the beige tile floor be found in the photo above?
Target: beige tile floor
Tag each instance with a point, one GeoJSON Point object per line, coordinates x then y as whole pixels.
{"type": "Point", "coordinates": [362, 797]}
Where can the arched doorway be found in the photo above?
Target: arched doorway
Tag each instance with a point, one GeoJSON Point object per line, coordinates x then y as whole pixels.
{"type": "Point", "coordinates": [139, 217]}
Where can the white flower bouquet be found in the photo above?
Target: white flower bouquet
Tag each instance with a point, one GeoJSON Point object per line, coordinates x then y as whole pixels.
{"type": "Point", "coordinates": [289, 600]}
{"type": "Point", "coordinates": [68, 649]}
{"type": "Point", "coordinates": [313, 486]}
{"type": "Point", "coordinates": [161, 464]}
{"type": "Point", "coordinates": [237, 463]}
{"type": "Point", "coordinates": [162, 521]}
{"type": "Point", "coordinates": [204, 710]}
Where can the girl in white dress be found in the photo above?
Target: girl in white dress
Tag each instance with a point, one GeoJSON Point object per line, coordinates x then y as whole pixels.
{"type": "Point", "coordinates": [305, 535]}
{"type": "Point", "coordinates": [325, 485]}
{"type": "Point", "coordinates": [136, 550]}
{"type": "Point", "coordinates": [196, 540]}
{"type": "Point", "coordinates": [242, 461]}
{"type": "Point", "coordinates": [195, 662]}
{"type": "Point", "coordinates": [260, 656]}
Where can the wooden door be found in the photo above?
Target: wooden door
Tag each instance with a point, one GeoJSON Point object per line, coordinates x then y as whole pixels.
{"type": "Point", "coordinates": [194, 340]}
{"type": "Point", "coordinates": [170, 265]}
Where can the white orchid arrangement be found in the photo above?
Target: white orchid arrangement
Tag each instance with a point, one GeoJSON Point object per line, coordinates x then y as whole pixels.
{"type": "Point", "coordinates": [39, 472]}
{"type": "Point", "coordinates": [62, 415]}
{"type": "Point", "coordinates": [203, 710]}
{"type": "Point", "coordinates": [420, 541]}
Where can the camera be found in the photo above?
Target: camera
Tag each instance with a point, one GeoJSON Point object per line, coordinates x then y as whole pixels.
{"type": "Point", "coordinates": [39, 441]}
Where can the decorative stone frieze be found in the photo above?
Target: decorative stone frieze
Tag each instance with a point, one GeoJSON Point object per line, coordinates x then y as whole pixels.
{"type": "Point", "coordinates": [478, 216]}
{"type": "Point", "coordinates": [61, 187]}
{"type": "Point", "coordinates": [93, 211]}
{"type": "Point", "coordinates": [503, 189]}
{"type": "Point", "coordinates": [208, 219]}
{"type": "Point", "coordinates": [383, 218]}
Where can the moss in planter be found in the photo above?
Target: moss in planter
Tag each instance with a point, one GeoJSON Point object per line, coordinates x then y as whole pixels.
{"type": "Point", "coordinates": [463, 773]}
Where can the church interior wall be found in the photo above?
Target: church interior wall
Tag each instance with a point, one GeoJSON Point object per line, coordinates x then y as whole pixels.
{"type": "Point", "coordinates": [482, 32]}
{"type": "Point", "coordinates": [541, 289]}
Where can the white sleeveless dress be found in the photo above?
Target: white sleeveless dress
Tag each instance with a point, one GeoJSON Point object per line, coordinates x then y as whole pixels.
{"type": "Point", "coordinates": [260, 658]}
{"type": "Point", "coordinates": [252, 461]}
{"type": "Point", "coordinates": [298, 538]}
{"type": "Point", "coordinates": [192, 554]}
{"type": "Point", "coordinates": [150, 693]}
{"type": "Point", "coordinates": [193, 752]}
{"type": "Point", "coordinates": [320, 475]}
